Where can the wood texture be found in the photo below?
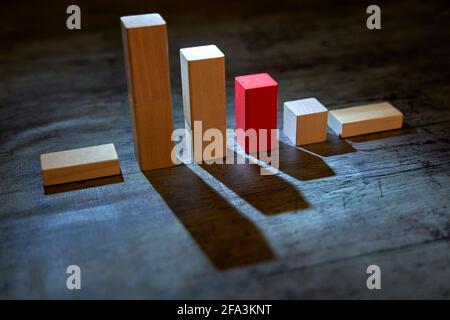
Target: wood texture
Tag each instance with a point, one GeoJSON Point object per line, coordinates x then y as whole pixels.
{"type": "Point", "coordinates": [256, 103]}
{"type": "Point", "coordinates": [225, 231]}
{"type": "Point", "coordinates": [305, 121]}
{"type": "Point", "coordinates": [354, 121]}
{"type": "Point", "coordinates": [203, 86]}
{"type": "Point", "coordinates": [79, 164]}
{"type": "Point", "coordinates": [147, 66]}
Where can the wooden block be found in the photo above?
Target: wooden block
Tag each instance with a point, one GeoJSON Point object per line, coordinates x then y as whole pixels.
{"type": "Point", "coordinates": [198, 146]}
{"type": "Point", "coordinates": [203, 86]}
{"type": "Point", "coordinates": [256, 100]}
{"type": "Point", "coordinates": [79, 164]}
{"type": "Point", "coordinates": [365, 119]}
{"type": "Point", "coordinates": [147, 65]}
{"type": "Point", "coordinates": [305, 121]}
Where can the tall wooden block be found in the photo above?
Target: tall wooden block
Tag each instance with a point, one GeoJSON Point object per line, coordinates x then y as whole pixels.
{"type": "Point", "coordinates": [79, 164]}
{"type": "Point", "coordinates": [147, 65]}
{"type": "Point", "coordinates": [365, 119]}
{"type": "Point", "coordinates": [203, 85]}
{"type": "Point", "coordinates": [305, 121]}
{"type": "Point", "coordinates": [256, 100]}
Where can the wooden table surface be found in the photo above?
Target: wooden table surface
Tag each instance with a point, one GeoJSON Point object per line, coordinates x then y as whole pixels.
{"type": "Point", "coordinates": [225, 231]}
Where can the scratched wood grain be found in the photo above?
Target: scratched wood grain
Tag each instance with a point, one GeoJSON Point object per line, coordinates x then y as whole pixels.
{"type": "Point", "coordinates": [225, 231]}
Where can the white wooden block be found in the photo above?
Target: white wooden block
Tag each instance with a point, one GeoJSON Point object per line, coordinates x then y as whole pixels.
{"type": "Point", "coordinates": [365, 119]}
{"type": "Point", "coordinates": [79, 164]}
{"type": "Point", "coordinates": [305, 121]}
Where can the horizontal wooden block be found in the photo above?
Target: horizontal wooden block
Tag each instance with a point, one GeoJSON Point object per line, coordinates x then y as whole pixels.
{"type": "Point", "coordinates": [147, 65]}
{"type": "Point", "coordinates": [305, 121]}
{"type": "Point", "coordinates": [79, 164]}
{"type": "Point", "coordinates": [256, 101]}
{"type": "Point", "coordinates": [365, 119]}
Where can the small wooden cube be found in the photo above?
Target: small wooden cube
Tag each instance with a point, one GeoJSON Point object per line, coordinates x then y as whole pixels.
{"type": "Point", "coordinates": [79, 164]}
{"type": "Point", "coordinates": [305, 121]}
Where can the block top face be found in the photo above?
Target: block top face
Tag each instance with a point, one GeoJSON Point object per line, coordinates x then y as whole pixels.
{"type": "Point", "coordinates": [76, 157]}
{"type": "Point", "coordinates": [305, 106]}
{"type": "Point", "coordinates": [142, 20]}
{"type": "Point", "coordinates": [201, 53]}
{"type": "Point", "coordinates": [366, 112]}
{"type": "Point", "coordinates": [254, 81]}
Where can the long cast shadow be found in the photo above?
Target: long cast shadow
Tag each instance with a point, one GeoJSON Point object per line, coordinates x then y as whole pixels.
{"type": "Point", "coordinates": [269, 194]}
{"type": "Point", "coordinates": [302, 165]}
{"type": "Point", "coordinates": [332, 147]}
{"type": "Point", "coordinates": [227, 237]}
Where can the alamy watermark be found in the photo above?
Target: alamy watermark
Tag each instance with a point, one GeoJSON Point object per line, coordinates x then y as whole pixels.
{"type": "Point", "coordinates": [73, 21]}
{"type": "Point", "coordinates": [374, 280]}
{"type": "Point", "coordinates": [73, 281]}
{"type": "Point", "coordinates": [373, 21]}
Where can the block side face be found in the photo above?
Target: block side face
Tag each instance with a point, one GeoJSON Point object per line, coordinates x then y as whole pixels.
{"type": "Point", "coordinates": [201, 151]}
{"type": "Point", "coordinates": [149, 64]}
{"type": "Point", "coordinates": [207, 92]}
{"type": "Point", "coordinates": [202, 53]}
{"type": "Point", "coordinates": [312, 128]}
{"type": "Point", "coordinates": [185, 85]}
{"type": "Point", "coordinates": [371, 126]}
{"type": "Point", "coordinates": [155, 129]}
{"type": "Point", "coordinates": [142, 20]}
{"type": "Point", "coordinates": [261, 106]}
{"type": "Point", "coordinates": [289, 124]}
{"type": "Point", "coordinates": [334, 123]}
{"type": "Point", "coordinates": [255, 81]}
{"type": "Point", "coordinates": [260, 113]}
{"type": "Point", "coordinates": [239, 105]}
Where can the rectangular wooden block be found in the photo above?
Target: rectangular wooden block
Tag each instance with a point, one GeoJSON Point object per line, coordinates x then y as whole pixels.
{"type": "Point", "coordinates": [365, 119]}
{"type": "Point", "coordinates": [203, 86]}
{"type": "Point", "coordinates": [79, 164]}
{"type": "Point", "coordinates": [256, 101]}
{"type": "Point", "coordinates": [147, 65]}
{"type": "Point", "coordinates": [305, 121]}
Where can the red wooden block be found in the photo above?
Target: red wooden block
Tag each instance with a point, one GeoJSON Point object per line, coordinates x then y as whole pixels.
{"type": "Point", "coordinates": [256, 98]}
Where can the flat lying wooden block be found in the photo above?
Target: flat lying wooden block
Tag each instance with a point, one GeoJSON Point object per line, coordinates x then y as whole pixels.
{"type": "Point", "coordinates": [305, 121]}
{"type": "Point", "coordinates": [365, 119]}
{"type": "Point", "coordinates": [256, 102]}
{"type": "Point", "coordinates": [79, 164]}
{"type": "Point", "coordinates": [147, 65]}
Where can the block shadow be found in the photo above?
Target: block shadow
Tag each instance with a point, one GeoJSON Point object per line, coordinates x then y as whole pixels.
{"type": "Point", "coordinates": [86, 184]}
{"type": "Point", "coordinates": [269, 194]}
{"type": "Point", "coordinates": [227, 237]}
{"type": "Point", "coordinates": [302, 165]}
{"type": "Point", "coordinates": [332, 147]}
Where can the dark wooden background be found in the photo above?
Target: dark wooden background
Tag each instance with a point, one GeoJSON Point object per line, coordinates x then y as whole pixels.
{"type": "Point", "coordinates": [225, 231]}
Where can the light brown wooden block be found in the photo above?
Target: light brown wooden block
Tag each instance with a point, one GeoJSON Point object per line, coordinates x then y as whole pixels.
{"type": "Point", "coordinates": [365, 119]}
{"type": "Point", "coordinates": [198, 146]}
{"type": "Point", "coordinates": [79, 164]}
{"type": "Point", "coordinates": [305, 121]}
{"type": "Point", "coordinates": [203, 85]}
{"type": "Point", "coordinates": [147, 65]}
